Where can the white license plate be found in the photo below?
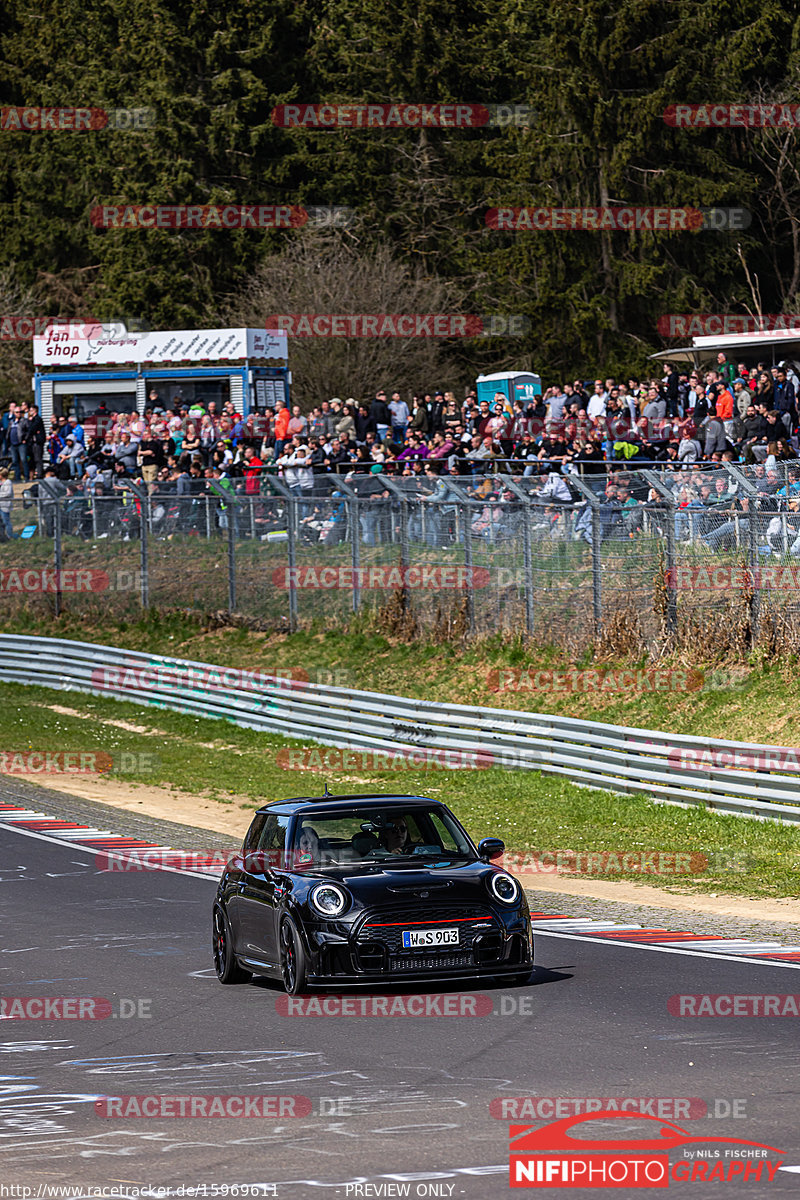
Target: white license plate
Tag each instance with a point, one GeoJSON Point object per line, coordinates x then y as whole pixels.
{"type": "Point", "coordinates": [414, 938]}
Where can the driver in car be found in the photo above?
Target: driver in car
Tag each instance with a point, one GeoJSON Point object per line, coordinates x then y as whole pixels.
{"type": "Point", "coordinates": [308, 846]}
{"type": "Point", "coordinates": [394, 835]}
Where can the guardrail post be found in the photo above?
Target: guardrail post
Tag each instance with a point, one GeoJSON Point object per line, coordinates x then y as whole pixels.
{"type": "Point", "coordinates": [470, 597]}
{"type": "Point", "coordinates": [208, 516]}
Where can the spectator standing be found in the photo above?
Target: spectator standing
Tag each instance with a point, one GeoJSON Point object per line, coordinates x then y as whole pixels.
{"type": "Point", "coordinates": [252, 467]}
{"type": "Point", "coordinates": [743, 397]}
{"type": "Point", "coordinates": [714, 436]}
{"type": "Point", "coordinates": [6, 500]}
{"type": "Point", "coordinates": [419, 421]}
{"type": "Point", "coordinates": [398, 411]}
{"type": "Point", "coordinates": [725, 409]}
{"type": "Point", "coordinates": [346, 424]}
{"type": "Point", "coordinates": [365, 424]}
{"type": "Point", "coordinates": [297, 423]}
{"type": "Point", "coordinates": [379, 412]}
{"type": "Point", "coordinates": [281, 426]}
{"type": "Point", "coordinates": [17, 432]}
{"type": "Point", "coordinates": [784, 398]}
{"type": "Point", "coordinates": [726, 370]}
{"type": "Point", "coordinates": [596, 408]}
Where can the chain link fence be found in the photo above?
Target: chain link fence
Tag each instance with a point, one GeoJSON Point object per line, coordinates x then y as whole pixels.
{"type": "Point", "coordinates": [560, 557]}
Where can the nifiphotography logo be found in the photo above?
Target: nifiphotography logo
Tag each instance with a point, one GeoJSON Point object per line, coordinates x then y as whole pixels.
{"type": "Point", "coordinates": [550, 1156]}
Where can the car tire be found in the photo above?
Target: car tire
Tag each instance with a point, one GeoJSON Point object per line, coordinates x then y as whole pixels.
{"type": "Point", "coordinates": [293, 959]}
{"type": "Point", "coordinates": [225, 964]}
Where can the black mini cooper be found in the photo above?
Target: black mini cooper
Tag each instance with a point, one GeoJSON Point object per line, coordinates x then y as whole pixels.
{"type": "Point", "coordinates": [341, 890]}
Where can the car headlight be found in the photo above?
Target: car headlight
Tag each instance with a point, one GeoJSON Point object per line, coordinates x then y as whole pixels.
{"type": "Point", "coordinates": [329, 900]}
{"type": "Point", "coordinates": [503, 887]}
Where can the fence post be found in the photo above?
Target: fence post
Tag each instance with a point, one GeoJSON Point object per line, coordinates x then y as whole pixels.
{"type": "Point", "coordinates": [404, 549]}
{"type": "Point", "coordinates": [468, 564]}
{"type": "Point", "coordinates": [291, 551]}
{"type": "Point", "coordinates": [672, 571]}
{"type": "Point", "coordinates": [355, 548]}
{"type": "Point", "coordinates": [57, 551]}
{"type": "Point", "coordinates": [755, 601]}
{"type": "Point", "coordinates": [144, 525]}
{"type": "Point", "coordinates": [232, 554]}
{"type": "Point", "coordinates": [528, 558]}
{"type": "Point", "coordinates": [597, 566]}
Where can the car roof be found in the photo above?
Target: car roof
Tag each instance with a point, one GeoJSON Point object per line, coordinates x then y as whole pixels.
{"type": "Point", "coordinates": [300, 803]}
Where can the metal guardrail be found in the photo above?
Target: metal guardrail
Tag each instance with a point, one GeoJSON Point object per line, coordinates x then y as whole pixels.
{"type": "Point", "coordinates": [671, 768]}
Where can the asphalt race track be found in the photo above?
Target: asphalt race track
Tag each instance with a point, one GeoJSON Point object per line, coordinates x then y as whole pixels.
{"type": "Point", "coordinates": [393, 1101]}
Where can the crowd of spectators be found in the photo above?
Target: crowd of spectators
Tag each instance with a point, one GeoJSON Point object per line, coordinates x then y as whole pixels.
{"type": "Point", "coordinates": [732, 413]}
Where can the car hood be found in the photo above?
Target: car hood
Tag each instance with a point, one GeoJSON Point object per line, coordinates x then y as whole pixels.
{"type": "Point", "coordinates": [397, 882]}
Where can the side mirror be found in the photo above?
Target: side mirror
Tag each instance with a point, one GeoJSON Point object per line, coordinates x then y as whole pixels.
{"type": "Point", "coordinates": [491, 848]}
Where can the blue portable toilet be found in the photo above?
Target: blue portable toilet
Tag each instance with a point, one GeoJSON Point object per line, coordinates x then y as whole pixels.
{"type": "Point", "coordinates": [515, 385]}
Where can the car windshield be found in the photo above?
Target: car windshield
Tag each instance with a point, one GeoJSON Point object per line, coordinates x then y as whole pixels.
{"type": "Point", "coordinates": [373, 835]}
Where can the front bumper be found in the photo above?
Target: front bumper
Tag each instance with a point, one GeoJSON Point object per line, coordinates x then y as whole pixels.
{"type": "Point", "coordinates": [367, 953]}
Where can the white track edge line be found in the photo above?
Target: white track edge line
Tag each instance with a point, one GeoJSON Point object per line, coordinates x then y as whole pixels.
{"type": "Point", "coordinates": [41, 837]}
{"type": "Point", "coordinates": [761, 962]}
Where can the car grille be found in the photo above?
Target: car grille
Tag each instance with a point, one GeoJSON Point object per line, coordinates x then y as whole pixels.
{"type": "Point", "coordinates": [379, 939]}
{"type": "Point", "coordinates": [442, 962]}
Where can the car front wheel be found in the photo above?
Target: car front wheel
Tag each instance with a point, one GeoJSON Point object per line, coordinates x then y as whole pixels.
{"type": "Point", "coordinates": [225, 964]}
{"type": "Point", "coordinates": [293, 959]}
